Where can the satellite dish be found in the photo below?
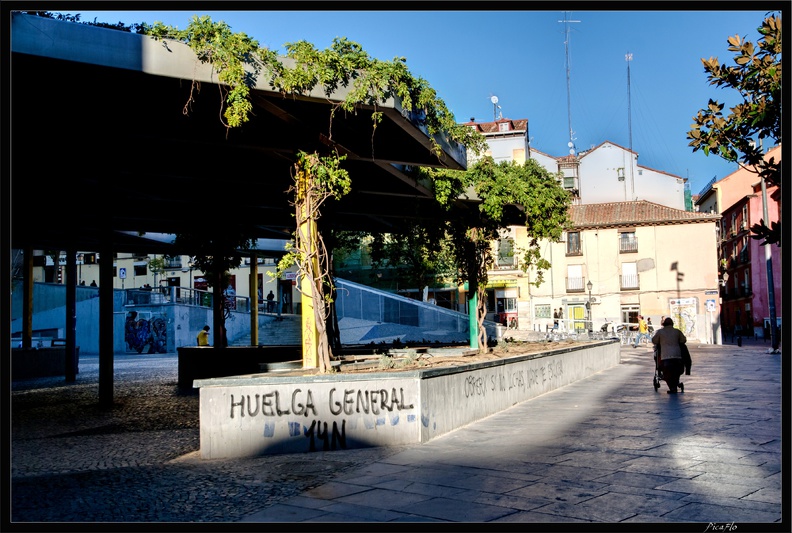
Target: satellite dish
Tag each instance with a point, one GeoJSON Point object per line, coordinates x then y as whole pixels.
{"type": "Point", "coordinates": [571, 151]}
{"type": "Point", "coordinates": [570, 144]}
{"type": "Point", "coordinates": [494, 99]}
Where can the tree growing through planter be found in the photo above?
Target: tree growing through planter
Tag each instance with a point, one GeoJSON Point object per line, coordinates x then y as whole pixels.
{"type": "Point", "coordinates": [318, 177]}
{"type": "Point", "coordinates": [510, 194]}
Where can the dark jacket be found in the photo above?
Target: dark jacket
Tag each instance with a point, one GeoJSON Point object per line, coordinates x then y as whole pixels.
{"type": "Point", "coordinates": [686, 360]}
{"type": "Point", "coordinates": [669, 339]}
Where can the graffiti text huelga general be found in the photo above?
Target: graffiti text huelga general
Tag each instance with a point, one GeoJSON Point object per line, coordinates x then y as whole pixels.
{"type": "Point", "coordinates": [301, 403]}
{"type": "Point", "coordinates": [367, 401]}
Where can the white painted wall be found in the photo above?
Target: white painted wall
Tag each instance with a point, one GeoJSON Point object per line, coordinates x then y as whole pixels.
{"type": "Point", "coordinates": [599, 181]}
{"type": "Point", "coordinates": [246, 416]}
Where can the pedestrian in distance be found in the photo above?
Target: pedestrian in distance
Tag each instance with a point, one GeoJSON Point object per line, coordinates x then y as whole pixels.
{"type": "Point", "coordinates": [668, 339]}
{"type": "Point", "coordinates": [643, 331]}
{"type": "Point", "coordinates": [270, 302]}
{"type": "Point", "coordinates": [203, 336]}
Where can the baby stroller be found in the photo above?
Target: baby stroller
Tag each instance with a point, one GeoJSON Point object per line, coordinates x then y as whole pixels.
{"type": "Point", "coordinates": [673, 382]}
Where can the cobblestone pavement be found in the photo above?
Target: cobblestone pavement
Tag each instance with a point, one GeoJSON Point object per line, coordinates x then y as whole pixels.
{"type": "Point", "coordinates": [138, 462]}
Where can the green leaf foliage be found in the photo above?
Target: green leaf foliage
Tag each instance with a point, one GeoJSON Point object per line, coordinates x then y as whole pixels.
{"type": "Point", "coordinates": [737, 136]}
{"type": "Point", "coordinates": [345, 64]}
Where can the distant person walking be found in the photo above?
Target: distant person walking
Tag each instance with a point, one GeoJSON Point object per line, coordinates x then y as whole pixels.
{"type": "Point", "coordinates": [93, 283]}
{"type": "Point", "coordinates": [643, 331]}
{"type": "Point", "coordinates": [270, 302]}
{"type": "Point", "coordinates": [203, 336]}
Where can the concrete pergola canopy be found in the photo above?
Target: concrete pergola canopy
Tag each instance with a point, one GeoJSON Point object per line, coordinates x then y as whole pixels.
{"type": "Point", "coordinates": [104, 141]}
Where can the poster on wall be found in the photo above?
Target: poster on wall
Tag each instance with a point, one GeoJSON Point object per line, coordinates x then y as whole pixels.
{"type": "Point", "coordinates": [684, 314]}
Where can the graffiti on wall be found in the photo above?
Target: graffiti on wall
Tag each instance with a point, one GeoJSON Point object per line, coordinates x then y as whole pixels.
{"type": "Point", "coordinates": [319, 434]}
{"type": "Point", "coordinates": [506, 380]}
{"type": "Point", "coordinates": [140, 334]}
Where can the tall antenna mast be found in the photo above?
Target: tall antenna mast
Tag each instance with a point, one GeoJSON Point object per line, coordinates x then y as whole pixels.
{"type": "Point", "coordinates": [495, 107]}
{"type": "Point", "coordinates": [628, 57]}
{"type": "Point", "coordinates": [566, 22]}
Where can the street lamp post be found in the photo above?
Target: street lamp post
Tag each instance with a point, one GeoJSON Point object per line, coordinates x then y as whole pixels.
{"type": "Point", "coordinates": [192, 292]}
{"type": "Point", "coordinates": [191, 264]}
{"type": "Point", "coordinates": [589, 286]}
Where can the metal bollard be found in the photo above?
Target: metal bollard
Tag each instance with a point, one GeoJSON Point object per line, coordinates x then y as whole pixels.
{"type": "Point", "coordinates": [739, 341]}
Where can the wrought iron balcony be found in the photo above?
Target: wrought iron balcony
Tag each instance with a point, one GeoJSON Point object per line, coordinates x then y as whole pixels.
{"type": "Point", "coordinates": [629, 282]}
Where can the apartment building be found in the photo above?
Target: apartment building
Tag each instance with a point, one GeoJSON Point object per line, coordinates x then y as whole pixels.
{"type": "Point", "coordinates": [619, 260]}
{"type": "Point", "coordinates": [625, 255]}
{"type": "Point", "coordinates": [743, 261]}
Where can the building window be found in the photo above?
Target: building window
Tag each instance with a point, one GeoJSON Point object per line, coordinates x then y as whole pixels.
{"type": "Point", "coordinates": [569, 182]}
{"type": "Point", "coordinates": [173, 262]}
{"type": "Point", "coordinates": [542, 311]}
{"type": "Point", "coordinates": [629, 313]}
{"type": "Point", "coordinates": [506, 253]}
{"type": "Point", "coordinates": [629, 276]}
{"type": "Point", "coordinates": [573, 243]}
{"type": "Point", "coordinates": [627, 242]}
{"type": "Point", "coordinates": [140, 270]}
{"type": "Point", "coordinates": [503, 126]}
{"type": "Point", "coordinates": [574, 282]}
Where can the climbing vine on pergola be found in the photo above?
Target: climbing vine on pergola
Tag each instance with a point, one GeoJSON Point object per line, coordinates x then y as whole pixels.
{"type": "Point", "coordinates": [318, 177]}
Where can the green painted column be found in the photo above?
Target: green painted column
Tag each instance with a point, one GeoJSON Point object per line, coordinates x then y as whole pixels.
{"type": "Point", "coordinates": [472, 307]}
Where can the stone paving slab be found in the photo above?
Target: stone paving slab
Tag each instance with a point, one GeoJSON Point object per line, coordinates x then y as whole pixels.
{"type": "Point", "coordinates": [605, 450]}
{"type": "Point", "coordinates": [654, 469]}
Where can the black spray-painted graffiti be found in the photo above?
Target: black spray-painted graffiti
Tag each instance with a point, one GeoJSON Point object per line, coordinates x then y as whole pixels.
{"type": "Point", "coordinates": [302, 404]}
{"type": "Point", "coordinates": [318, 429]}
{"type": "Point", "coordinates": [141, 333]}
{"type": "Point", "coordinates": [352, 401]}
{"type": "Point", "coordinates": [506, 381]}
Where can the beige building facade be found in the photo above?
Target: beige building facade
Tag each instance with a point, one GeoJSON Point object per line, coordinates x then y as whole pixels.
{"type": "Point", "coordinates": [619, 260]}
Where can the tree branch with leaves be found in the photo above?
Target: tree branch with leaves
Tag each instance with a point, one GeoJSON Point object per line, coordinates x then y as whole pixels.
{"type": "Point", "coordinates": [737, 137]}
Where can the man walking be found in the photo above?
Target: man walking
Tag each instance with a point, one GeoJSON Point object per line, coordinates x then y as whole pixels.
{"type": "Point", "coordinates": [643, 331]}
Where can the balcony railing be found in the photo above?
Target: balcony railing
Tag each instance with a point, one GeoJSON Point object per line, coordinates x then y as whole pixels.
{"type": "Point", "coordinates": [629, 282]}
{"type": "Point", "coordinates": [628, 246]}
{"type": "Point", "coordinates": [575, 284]}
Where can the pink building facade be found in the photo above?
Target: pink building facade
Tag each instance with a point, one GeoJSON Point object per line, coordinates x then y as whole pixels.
{"type": "Point", "coordinates": [759, 274]}
{"type": "Point", "coordinates": [742, 260]}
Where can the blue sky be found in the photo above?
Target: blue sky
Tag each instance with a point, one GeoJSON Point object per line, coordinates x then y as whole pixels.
{"type": "Point", "coordinates": [520, 56]}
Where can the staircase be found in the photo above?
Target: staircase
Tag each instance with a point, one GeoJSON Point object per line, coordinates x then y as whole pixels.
{"type": "Point", "coordinates": [275, 332]}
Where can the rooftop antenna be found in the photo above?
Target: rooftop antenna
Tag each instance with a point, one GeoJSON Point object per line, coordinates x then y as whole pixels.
{"type": "Point", "coordinates": [495, 107]}
{"type": "Point", "coordinates": [566, 22]}
{"type": "Point", "coordinates": [628, 57]}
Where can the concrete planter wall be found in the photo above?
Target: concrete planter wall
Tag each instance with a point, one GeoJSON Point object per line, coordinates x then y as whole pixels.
{"type": "Point", "coordinates": [247, 416]}
{"type": "Point", "coordinates": [201, 362]}
{"type": "Point", "coordinates": [39, 363]}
